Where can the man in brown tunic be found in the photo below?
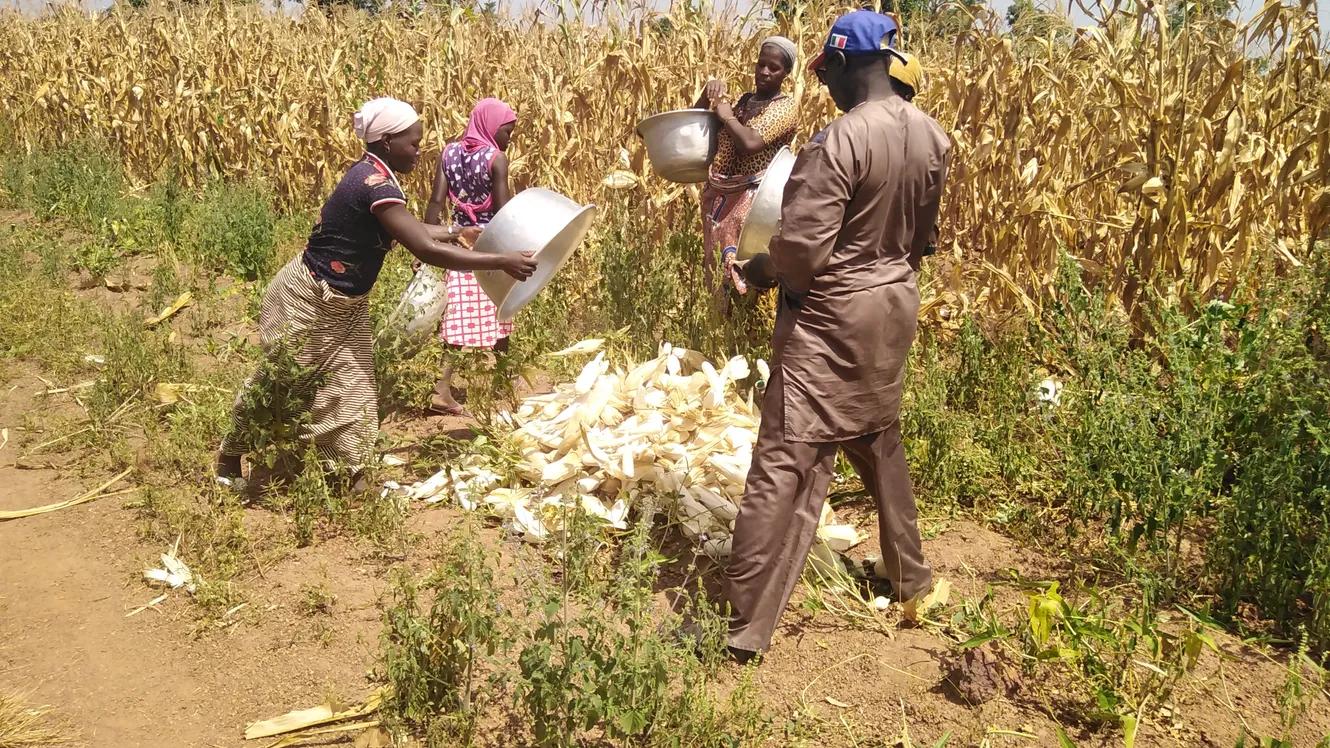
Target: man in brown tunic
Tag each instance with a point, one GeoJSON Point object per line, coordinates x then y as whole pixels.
{"type": "Point", "coordinates": [857, 214]}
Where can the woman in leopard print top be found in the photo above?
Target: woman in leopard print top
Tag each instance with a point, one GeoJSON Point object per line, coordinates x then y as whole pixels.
{"type": "Point", "coordinates": [754, 129]}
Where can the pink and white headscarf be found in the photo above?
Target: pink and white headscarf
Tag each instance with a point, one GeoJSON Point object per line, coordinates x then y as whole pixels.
{"type": "Point", "coordinates": [486, 119]}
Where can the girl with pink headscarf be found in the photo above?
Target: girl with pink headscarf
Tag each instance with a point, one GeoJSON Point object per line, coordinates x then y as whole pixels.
{"type": "Point", "coordinates": [472, 175]}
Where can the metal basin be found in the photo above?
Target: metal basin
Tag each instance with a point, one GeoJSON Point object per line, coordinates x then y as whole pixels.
{"type": "Point", "coordinates": [763, 221]}
{"type": "Point", "coordinates": [680, 144]}
{"type": "Point", "coordinates": [535, 220]}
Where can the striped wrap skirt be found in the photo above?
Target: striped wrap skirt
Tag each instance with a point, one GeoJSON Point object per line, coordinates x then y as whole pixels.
{"type": "Point", "coordinates": [331, 336]}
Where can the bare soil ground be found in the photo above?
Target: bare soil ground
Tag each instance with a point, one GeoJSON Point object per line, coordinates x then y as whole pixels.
{"type": "Point", "coordinates": [160, 677]}
{"type": "Point", "coordinates": [156, 679]}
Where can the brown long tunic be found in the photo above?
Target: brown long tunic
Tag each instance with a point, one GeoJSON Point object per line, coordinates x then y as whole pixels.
{"type": "Point", "coordinates": [858, 211]}
{"type": "Point", "coordinates": [856, 216]}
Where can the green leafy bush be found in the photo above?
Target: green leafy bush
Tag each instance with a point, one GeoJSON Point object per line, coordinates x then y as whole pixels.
{"type": "Point", "coordinates": [231, 230]}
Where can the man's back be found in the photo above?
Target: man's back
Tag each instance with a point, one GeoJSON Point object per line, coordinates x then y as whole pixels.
{"type": "Point", "coordinates": [858, 211]}
{"type": "Point", "coordinates": [869, 195]}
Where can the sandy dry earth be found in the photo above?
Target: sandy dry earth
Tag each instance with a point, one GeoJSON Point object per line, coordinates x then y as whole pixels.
{"type": "Point", "coordinates": [67, 580]}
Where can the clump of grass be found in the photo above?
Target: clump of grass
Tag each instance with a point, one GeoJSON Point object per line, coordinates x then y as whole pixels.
{"type": "Point", "coordinates": [79, 180]}
{"type": "Point", "coordinates": [316, 599]}
{"type": "Point", "coordinates": [214, 599]}
{"type": "Point", "coordinates": [614, 665]}
{"type": "Point", "coordinates": [309, 498]}
{"type": "Point", "coordinates": [42, 320]}
{"type": "Point", "coordinates": [274, 405]}
{"type": "Point", "coordinates": [382, 520]}
{"type": "Point", "coordinates": [22, 726]}
{"type": "Point", "coordinates": [99, 256]}
{"type": "Point", "coordinates": [1194, 455]}
{"type": "Point", "coordinates": [210, 528]}
{"type": "Point", "coordinates": [136, 359]}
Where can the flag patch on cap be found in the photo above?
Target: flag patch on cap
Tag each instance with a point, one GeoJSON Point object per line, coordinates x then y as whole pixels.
{"type": "Point", "coordinates": [838, 41]}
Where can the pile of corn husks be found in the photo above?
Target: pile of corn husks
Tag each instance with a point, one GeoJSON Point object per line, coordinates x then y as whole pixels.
{"type": "Point", "coordinates": [674, 428]}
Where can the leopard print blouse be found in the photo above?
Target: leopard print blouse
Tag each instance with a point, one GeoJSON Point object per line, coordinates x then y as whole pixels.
{"type": "Point", "coordinates": [775, 120]}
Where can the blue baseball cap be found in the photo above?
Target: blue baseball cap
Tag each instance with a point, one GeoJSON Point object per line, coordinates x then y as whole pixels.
{"type": "Point", "coordinates": [859, 33]}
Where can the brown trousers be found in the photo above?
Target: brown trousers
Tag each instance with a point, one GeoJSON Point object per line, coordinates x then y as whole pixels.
{"type": "Point", "coordinates": [777, 522]}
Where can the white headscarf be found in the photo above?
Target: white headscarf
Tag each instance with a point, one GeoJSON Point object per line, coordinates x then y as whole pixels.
{"type": "Point", "coordinates": [383, 116]}
{"type": "Point", "coordinates": [784, 45]}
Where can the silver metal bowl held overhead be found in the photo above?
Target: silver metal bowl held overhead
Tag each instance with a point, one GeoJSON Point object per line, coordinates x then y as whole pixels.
{"type": "Point", "coordinates": [763, 221]}
{"type": "Point", "coordinates": [535, 220]}
{"type": "Point", "coordinates": [680, 144]}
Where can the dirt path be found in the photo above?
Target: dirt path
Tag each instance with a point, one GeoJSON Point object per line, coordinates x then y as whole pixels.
{"type": "Point", "coordinates": [148, 680]}
{"type": "Point", "coordinates": [70, 578]}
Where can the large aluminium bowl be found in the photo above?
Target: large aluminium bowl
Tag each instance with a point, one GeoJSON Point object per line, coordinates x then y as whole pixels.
{"type": "Point", "coordinates": [535, 220]}
{"type": "Point", "coordinates": [680, 144]}
{"type": "Point", "coordinates": [763, 220]}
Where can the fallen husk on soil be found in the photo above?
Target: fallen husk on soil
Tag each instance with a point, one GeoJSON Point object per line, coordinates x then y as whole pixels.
{"type": "Point", "coordinates": [675, 430]}
{"type": "Point", "coordinates": [324, 714]}
{"type": "Point", "coordinates": [173, 572]}
{"type": "Point", "coordinates": [373, 736]}
{"type": "Point", "coordinates": [95, 493]}
{"type": "Point", "coordinates": [183, 300]}
{"type": "Point", "coordinates": [22, 726]}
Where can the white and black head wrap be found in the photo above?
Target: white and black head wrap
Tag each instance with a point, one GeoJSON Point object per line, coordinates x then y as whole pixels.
{"type": "Point", "coordinates": [786, 47]}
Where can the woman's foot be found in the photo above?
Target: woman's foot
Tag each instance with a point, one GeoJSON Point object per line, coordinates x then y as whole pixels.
{"type": "Point", "coordinates": [446, 406]}
{"type": "Point", "coordinates": [443, 401]}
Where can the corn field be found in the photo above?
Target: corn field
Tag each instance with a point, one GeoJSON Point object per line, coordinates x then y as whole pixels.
{"type": "Point", "coordinates": [1180, 159]}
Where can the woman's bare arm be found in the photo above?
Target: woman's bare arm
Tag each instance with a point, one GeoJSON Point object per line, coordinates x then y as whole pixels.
{"type": "Point", "coordinates": [747, 140]}
{"type": "Point", "coordinates": [438, 196]}
{"type": "Point", "coordinates": [500, 191]}
{"type": "Point", "coordinates": [415, 236]}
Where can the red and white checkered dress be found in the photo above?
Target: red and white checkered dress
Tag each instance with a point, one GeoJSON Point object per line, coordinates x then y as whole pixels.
{"type": "Point", "coordinates": [470, 321]}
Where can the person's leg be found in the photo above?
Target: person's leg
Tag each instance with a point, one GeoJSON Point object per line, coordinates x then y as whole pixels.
{"type": "Point", "coordinates": [235, 444]}
{"type": "Point", "coordinates": [880, 461]}
{"type": "Point", "coordinates": [233, 447]}
{"type": "Point", "coordinates": [443, 400]}
{"type": "Point", "coordinates": [774, 531]}
{"type": "Point", "coordinates": [344, 411]}
{"type": "Point", "coordinates": [227, 466]}
{"type": "Point", "coordinates": [462, 290]}
{"type": "Point", "coordinates": [284, 291]}
{"type": "Point", "coordinates": [711, 202]}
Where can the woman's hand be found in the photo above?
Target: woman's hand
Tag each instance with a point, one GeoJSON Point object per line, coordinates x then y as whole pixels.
{"type": "Point", "coordinates": [714, 92]}
{"type": "Point", "coordinates": [467, 237]}
{"type": "Point", "coordinates": [519, 265]}
{"type": "Point", "coordinates": [733, 270]}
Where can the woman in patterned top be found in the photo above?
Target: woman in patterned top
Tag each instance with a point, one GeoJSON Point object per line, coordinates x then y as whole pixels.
{"type": "Point", "coordinates": [473, 175]}
{"type": "Point", "coordinates": [317, 306]}
{"type": "Point", "coordinates": [754, 129]}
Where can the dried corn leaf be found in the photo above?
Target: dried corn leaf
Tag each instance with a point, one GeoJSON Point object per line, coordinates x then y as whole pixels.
{"type": "Point", "coordinates": [183, 300]}
{"type": "Point", "coordinates": [320, 715]}
{"type": "Point", "coordinates": [95, 493]}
